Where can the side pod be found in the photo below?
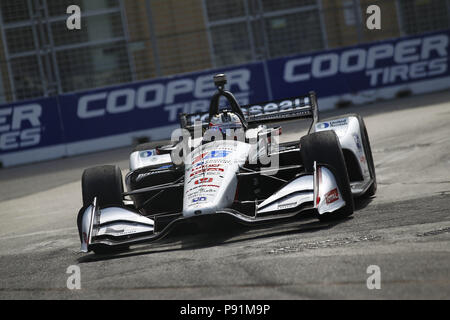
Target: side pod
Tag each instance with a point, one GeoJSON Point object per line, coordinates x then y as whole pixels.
{"type": "Point", "coordinates": [319, 189]}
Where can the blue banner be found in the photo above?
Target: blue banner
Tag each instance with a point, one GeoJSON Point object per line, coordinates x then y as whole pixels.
{"type": "Point", "coordinates": [30, 124]}
{"type": "Point", "coordinates": [418, 64]}
{"type": "Point", "coordinates": [155, 103]}
{"type": "Point", "coordinates": [369, 66]}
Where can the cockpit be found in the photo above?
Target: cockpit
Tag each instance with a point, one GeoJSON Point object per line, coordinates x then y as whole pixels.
{"type": "Point", "coordinates": [225, 121]}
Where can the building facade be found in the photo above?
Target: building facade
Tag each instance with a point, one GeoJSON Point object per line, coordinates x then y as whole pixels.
{"type": "Point", "coordinates": [123, 41]}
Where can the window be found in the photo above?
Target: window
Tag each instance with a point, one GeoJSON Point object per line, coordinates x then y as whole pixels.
{"type": "Point", "coordinates": [59, 7]}
{"type": "Point", "coordinates": [106, 26]}
{"type": "Point", "coordinates": [14, 10]}
{"type": "Point", "coordinates": [245, 30]}
{"type": "Point", "coordinates": [91, 57]}
{"type": "Point", "coordinates": [93, 66]}
{"type": "Point", "coordinates": [231, 44]}
{"type": "Point", "coordinates": [27, 78]}
{"type": "Point", "coordinates": [272, 5]}
{"type": "Point", "coordinates": [220, 9]}
{"type": "Point", "coordinates": [20, 39]}
{"type": "Point", "coordinates": [293, 33]}
{"type": "Point", "coordinates": [418, 16]}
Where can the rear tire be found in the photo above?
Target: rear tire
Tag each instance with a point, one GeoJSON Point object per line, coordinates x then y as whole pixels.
{"type": "Point", "coordinates": [324, 148]}
{"type": "Point", "coordinates": [105, 183]}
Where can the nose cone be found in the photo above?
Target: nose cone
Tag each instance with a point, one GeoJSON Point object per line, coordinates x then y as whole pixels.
{"type": "Point", "coordinates": [210, 177]}
{"type": "Point", "coordinates": [207, 207]}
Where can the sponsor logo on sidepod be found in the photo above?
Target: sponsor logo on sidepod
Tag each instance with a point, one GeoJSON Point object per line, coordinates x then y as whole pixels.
{"type": "Point", "coordinates": [146, 153]}
{"type": "Point", "coordinates": [331, 196]}
{"type": "Point", "coordinates": [322, 125]}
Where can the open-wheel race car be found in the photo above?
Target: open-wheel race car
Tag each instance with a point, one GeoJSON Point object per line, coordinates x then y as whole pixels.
{"type": "Point", "coordinates": [228, 163]}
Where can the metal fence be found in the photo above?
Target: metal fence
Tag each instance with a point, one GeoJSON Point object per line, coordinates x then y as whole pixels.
{"type": "Point", "coordinates": [130, 40]}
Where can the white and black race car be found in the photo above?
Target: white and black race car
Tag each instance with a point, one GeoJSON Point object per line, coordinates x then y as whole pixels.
{"type": "Point", "coordinates": [228, 163]}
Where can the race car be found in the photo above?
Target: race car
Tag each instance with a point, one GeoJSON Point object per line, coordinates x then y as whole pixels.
{"type": "Point", "coordinates": [228, 162]}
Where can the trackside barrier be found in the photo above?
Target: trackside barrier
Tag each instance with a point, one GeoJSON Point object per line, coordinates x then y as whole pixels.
{"type": "Point", "coordinates": [111, 117]}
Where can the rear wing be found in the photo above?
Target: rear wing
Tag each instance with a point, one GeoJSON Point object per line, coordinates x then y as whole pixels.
{"type": "Point", "coordinates": [303, 107]}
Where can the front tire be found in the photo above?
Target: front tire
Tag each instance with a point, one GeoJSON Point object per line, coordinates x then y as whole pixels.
{"type": "Point", "coordinates": [105, 183]}
{"type": "Point", "coordinates": [324, 148]}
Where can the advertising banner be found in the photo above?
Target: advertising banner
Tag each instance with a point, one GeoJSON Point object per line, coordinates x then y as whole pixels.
{"type": "Point", "coordinates": [366, 72]}
{"type": "Point", "coordinates": [30, 131]}
{"type": "Point", "coordinates": [152, 104]}
{"type": "Point", "coordinates": [112, 117]}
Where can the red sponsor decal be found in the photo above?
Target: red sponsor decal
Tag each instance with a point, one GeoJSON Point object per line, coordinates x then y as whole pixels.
{"type": "Point", "coordinates": [332, 196]}
{"type": "Point", "coordinates": [203, 170]}
{"type": "Point", "coordinates": [203, 166]}
{"type": "Point", "coordinates": [203, 180]}
{"type": "Point", "coordinates": [199, 157]}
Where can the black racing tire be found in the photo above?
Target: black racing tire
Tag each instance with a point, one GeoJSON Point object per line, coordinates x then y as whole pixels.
{"type": "Point", "coordinates": [367, 151]}
{"type": "Point", "coordinates": [105, 183]}
{"type": "Point", "coordinates": [324, 148]}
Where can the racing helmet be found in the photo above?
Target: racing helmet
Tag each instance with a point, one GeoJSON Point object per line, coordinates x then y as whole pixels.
{"type": "Point", "coordinates": [225, 121]}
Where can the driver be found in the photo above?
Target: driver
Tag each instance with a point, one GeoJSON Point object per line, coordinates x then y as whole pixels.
{"type": "Point", "coordinates": [226, 122]}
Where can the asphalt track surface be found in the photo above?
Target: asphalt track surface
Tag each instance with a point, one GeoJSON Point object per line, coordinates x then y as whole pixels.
{"type": "Point", "coordinates": [405, 230]}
